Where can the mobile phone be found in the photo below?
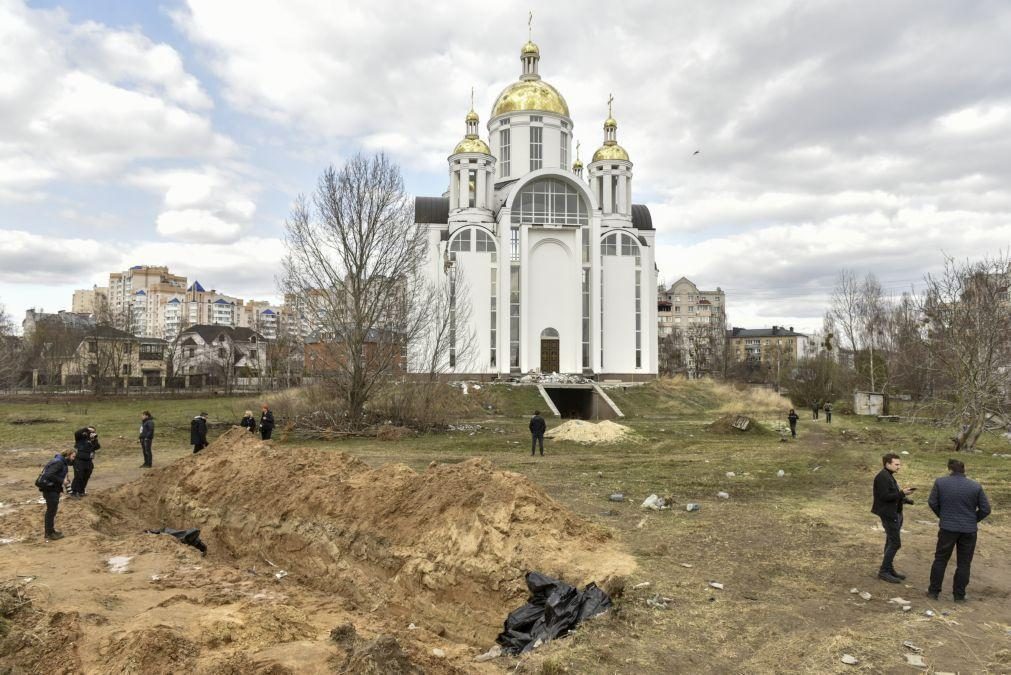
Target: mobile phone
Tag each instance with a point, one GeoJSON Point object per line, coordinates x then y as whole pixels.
{"type": "Point", "coordinates": [912, 489]}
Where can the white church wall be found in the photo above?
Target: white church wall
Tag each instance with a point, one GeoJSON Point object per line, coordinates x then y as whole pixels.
{"type": "Point", "coordinates": [551, 296]}
{"type": "Point", "coordinates": [619, 314]}
{"type": "Point", "coordinates": [474, 270]}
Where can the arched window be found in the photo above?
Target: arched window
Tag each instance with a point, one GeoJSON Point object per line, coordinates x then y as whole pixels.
{"type": "Point", "coordinates": [549, 201]}
{"type": "Point", "coordinates": [549, 333]}
{"type": "Point", "coordinates": [623, 244]}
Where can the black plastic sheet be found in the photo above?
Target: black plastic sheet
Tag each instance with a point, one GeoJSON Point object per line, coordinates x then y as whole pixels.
{"type": "Point", "coordinates": [553, 609]}
{"type": "Point", "coordinates": [190, 537]}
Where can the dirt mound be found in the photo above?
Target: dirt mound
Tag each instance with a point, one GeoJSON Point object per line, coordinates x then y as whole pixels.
{"type": "Point", "coordinates": [447, 547]}
{"type": "Point", "coordinates": [381, 656]}
{"type": "Point", "coordinates": [157, 650]}
{"type": "Point", "coordinates": [736, 424]}
{"type": "Point", "coordinates": [580, 431]}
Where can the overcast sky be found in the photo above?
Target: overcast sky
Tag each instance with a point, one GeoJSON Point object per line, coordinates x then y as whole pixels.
{"type": "Point", "coordinates": [869, 135]}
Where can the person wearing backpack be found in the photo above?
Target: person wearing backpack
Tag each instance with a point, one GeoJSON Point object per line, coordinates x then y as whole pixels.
{"type": "Point", "coordinates": [51, 483]}
{"type": "Point", "coordinates": [198, 432]}
{"type": "Point", "coordinates": [86, 444]}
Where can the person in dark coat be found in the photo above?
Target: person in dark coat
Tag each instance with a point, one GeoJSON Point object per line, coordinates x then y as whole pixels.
{"type": "Point", "coordinates": [86, 444]}
{"type": "Point", "coordinates": [960, 503]}
{"type": "Point", "coordinates": [198, 432]}
{"type": "Point", "coordinates": [793, 422]}
{"type": "Point", "coordinates": [248, 422]}
{"type": "Point", "coordinates": [266, 422]}
{"type": "Point", "coordinates": [815, 406]}
{"type": "Point", "coordinates": [51, 482]}
{"type": "Point", "coordinates": [888, 501]}
{"type": "Point", "coordinates": [146, 437]}
{"type": "Point", "coordinates": [828, 413]}
{"type": "Point", "coordinates": [537, 428]}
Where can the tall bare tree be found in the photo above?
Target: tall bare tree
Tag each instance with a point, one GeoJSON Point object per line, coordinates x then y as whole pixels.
{"type": "Point", "coordinates": [967, 308]}
{"type": "Point", "coordinates": [354, 257]}
{"type": "Point", "coordinates": [845, 308]}
{"type": "Point", "coordinates": [11, 352]}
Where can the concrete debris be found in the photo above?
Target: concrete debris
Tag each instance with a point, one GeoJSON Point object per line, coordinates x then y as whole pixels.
{"type": "Point", "coordinates": [780, 473]}
{"type": "Point", "coordinates": [731, 474]}
{"type": "Point", "coordinates": [899, 601]}
{"type": "Point", "coordinates": [865, 595]}
{"type": "Point", "coordinates": [854, 590]}
{"type": "Point", "coordinates": [280, 575]}
{"type": "Point", "coordinates": [688, 565]}
{"type": "Point", "coordinates": [644, 584]}
{"type": "Point", "coordinates": [849, 660]}
{"type": "Point", "coordinates": [617, 497]}
{"type": "Point", "coordinates": [905, 452]}
{"type": "Point", "coordinates": [492, 653]}
{"type": "Point", "coordinates": [656, 503]}
{"type": "Point", "coordinates": [723, 495]}
{"type": "Point", "coordinates": [581, 431]}
{"type": "Point", "coordinates": [658, 601]}
{"type": "Point", "coordinates": [911, 647]}
{"type": "Point", "coordinates": [553, 378]}
{"type": "Point", "coordinates": [715, 584]}
{"type": "Point", "coordinates": [118, 564]}
{"type": "Point", "coordinates": [929, 612]}
{"type": "Point", "coordinates": [906, 608]}
{"type": "Point", "coordinates": [439, 653]}
{"type": "Point", "coordinates": [915, 660]}
{"type": "Point", "coordinates": [412, 627]}
{"type": "Point", "coordinates": [691, 506]}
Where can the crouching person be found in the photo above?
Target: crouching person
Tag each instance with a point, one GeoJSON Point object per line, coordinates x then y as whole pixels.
{"type": "Point", "coordinates": [51, 483]}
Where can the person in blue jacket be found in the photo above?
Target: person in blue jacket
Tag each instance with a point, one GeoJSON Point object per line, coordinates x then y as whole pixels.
{"type": "Point", "coordinates": [51, 483]}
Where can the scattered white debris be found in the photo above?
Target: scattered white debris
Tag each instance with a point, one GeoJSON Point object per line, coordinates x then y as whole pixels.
{"type": "Point", "coordinates": [688, 565]}
{"type": "Point", "coordinates": [118, 564]}
{"type": "Point", "coordinates": [905, 452]}
{"type": "Point", "coordinates": [915, 660]}
{"type": "Point", "coordinates": [865, 595]}
{"type": "Point", "coordinates": [600, 474]}
{"type": "Point", "coordinates": [439, 653]}
{"type": "Point", "coordinates": [854, 590]}
{"type": "Point", "coordinates": [780, 473]}
{"type": "Point", "coordinates": [656, 503]}
{"type": "Point", "coordinates": [717, 585]}
{"type": "Point", "coordinates": [723, 495]}
{"type": "Point", "coordinates": [692, 506]}
{"type": "Point", "coordinates": [280, 575]}
{"type": "Point", "coordinates": [155, 577]}
{"type": "Point", "coordinates": [492, 653]}
{"type": "Point", "coordinates": [929, 612]}
{"type": "Point", "coordinates": [5, 541]}
{"type": "Point", "coordinates": [659, 602]}
{"type": "Point", "coordinates": [463, 385]}
{"type": "Point", "coordinates": [412, 627]}
{"type": "Point", "coordinates": [906, 608]}
{"type": "Point", "coordinates": [899, 601]}
{"type": "Point", "coordinates": [815, 468]}
{"type": "Point", "coordinates": [644, 584]}
{"type": "Point", "coordinates": [849, 660]}
{"type": "Point", "coordinates": [642, 523]}
{"type": "Point", "coordinates": [909, 645]}
{"type": "Point", "coordinates": [731, 474]}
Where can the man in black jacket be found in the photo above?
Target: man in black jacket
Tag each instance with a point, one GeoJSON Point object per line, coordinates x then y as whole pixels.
{"type": "Point", "coordinates": [147, 437]}
{"type": "Point", "coordinates": [50, 482]}
{"type": "Point", "coordinates": [888, 501]}
{"type": "Point", "coordinates": [198, 432]}
{"type": "Point", "coordinates": [86, 444]}
{"type": "Point", "coordinates": [537, 428]}
{"type": "Point", "coordinates": [960, 503]}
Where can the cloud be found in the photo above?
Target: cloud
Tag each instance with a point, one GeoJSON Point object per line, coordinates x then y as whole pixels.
{"type": "Point", "coordinates": [35, 259]}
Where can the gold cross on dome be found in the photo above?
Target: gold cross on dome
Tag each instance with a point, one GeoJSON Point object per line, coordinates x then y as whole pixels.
{"type": "Point", "coordinates": [472, 98]}
{"type": "Point", "coordinates": [530, 26]}
{"type": "Point", "coordinates": [610, 99]}
{"type": "Point", "coordinates": [578, 144]}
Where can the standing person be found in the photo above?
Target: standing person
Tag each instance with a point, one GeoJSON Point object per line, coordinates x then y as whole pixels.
{"type": "Point", "coordinates": [198, 432]}
{"type": "Point", "coordinates": [960, 503]}
{"type": "Point", "coordinates": [793, 422]}
{"type": "Point", "coordinates": [815, 406]}
{"type": "Point", "coordinates": [828, 413]}
{"type": "Point", "coordinates": [51, 482]}
{"type": "Point", "coordinates": [86, 445]}
{"type": "Point", "coordinates": [266, 422]}
{"type": "Point", "coordinates": [146, 437]}
{"type": "Point", "coordinates": [537, 428]}
{"type": "Point", "coordinates": [888, 501]}
{"type": "Point", "coordinates": [248, 422]}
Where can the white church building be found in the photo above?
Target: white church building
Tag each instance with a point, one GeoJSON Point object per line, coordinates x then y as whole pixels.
{"type": "Point", "coordinates": [558, 266]}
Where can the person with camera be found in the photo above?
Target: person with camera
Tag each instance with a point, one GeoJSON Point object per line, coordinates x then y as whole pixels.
{"type": "Point", "coordinates": [51, 482]}
{"type": "Point", "coordinates": [86, 444]}
{"type": "Point", "coordinates": [888, 501]}
{"type": "Point", "coordinates": [198, 432]}
{"type": "Point", "coordinates": [146, 437]}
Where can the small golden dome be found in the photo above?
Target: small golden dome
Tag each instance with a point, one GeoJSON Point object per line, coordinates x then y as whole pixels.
{"type": "Point", "coordinates": [472, 145]}
{"type": "Point", "coordinates": [530, 95]}
{"type": "Point", "coordinates": [472, 116]}
{"type": "Point", "coordinates": [530, 49]}
{"type": "Point", "coordinates": [577, 165]}
{"type": "Point", "coordinates": [610, 123]}
{"type": "Point", "coordinates": [610, 152]}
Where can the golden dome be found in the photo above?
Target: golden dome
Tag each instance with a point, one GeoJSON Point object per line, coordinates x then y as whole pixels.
{"type": "Point", "coordinates": [610, 122]}
{"type": "Point", "coordinates": [577, 165]}
{"type": "Point", "coordinates": [472, 116]}
{"type": "Point", "coordinates": [610, 153]}
{"type": "Point", "coordinates": [530, 49]}
{"type": "Point", "coordinates": [530, 95]}
{"type": "Point", "coordinates": [472, 145]}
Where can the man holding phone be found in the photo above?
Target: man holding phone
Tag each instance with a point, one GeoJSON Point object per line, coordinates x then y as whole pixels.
{"type": "Point", "coordinates": [888, 501]}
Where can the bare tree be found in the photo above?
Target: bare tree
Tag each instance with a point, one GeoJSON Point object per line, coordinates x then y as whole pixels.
{"type": "Point", "coordinates": [11, 352]}
{"type": "Point", "coordinates": [355, 259]}
{"type": "Point", "coordinates": [967, 308]}
{"type": "Point", "coordinates": [845, 307]}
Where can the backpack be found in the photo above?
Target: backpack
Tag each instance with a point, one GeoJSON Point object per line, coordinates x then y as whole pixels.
{"type": "Point", "coordinates": [43, 483]}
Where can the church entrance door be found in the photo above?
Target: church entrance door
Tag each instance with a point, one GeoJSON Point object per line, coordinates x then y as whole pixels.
{"type": "Point", "coordinates": [549, 351]}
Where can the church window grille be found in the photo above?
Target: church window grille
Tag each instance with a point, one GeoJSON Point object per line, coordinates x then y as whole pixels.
{"type": "Point", "coordinates": [461, 242]}
{"type": "Point", "coordinates": [536, 148]}
{"type": "Point", "coordinates": [585, 234]}
{"type": "Point", "coordinates": [504, 151]}
{"type": "Point", "coordinates": [514, 244]}
{"type": "Point", "coordinates": [536, 118]}
{"type": "Point", "coordinates": [514, 317]}
{"type": "Point", "coordinates": [586, 317]}
{"type": "Point", "coordinates": [565, 150]}
{"type": "Point", "coordinates": [549, 202]}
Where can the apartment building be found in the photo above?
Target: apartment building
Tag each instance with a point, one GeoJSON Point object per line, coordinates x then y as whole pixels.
{"type": "Point", "coordinates": [94, 300]}
{"type": "Point", "coordinates": [777, 345]}
{"type": "Point", "coordinates": [690, 328]}
{"type": "Point", "coordinates": [137, 296]}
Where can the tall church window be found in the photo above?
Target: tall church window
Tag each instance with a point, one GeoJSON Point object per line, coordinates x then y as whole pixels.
{"type": "Point", "coordinates": [461, 242]}
{"type": "Point", "coordinates": [600, 192]}
{"type": "Point", "coordinates": [624, 244]}
{"type": "Point", "coordinates": [514, 317]}
{"type": "Point", "coordinates": [565, 150]}
{"type": "Point", "coordinates": [549, 201]}
{"type": "Point", "coordinates": [536, 148]}
{"type": "Point", "coordinates": [503, 152]}
{"type": "Point", "coordinates": [514, 243]}
{"type": "Point", "coordinates": [586, 317]}
{"type": "Point", "coordinates": [614, 194]}
{"type": "Point", "coordinates": [452, 316]}
{"type": "Point", "coordinates": [472, 188]}
{"type": "Point", "coordinates": [485, 243]}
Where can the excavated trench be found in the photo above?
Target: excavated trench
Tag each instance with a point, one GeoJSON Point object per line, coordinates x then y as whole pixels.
{"type": "Point", "coordinates": [448, 546]}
